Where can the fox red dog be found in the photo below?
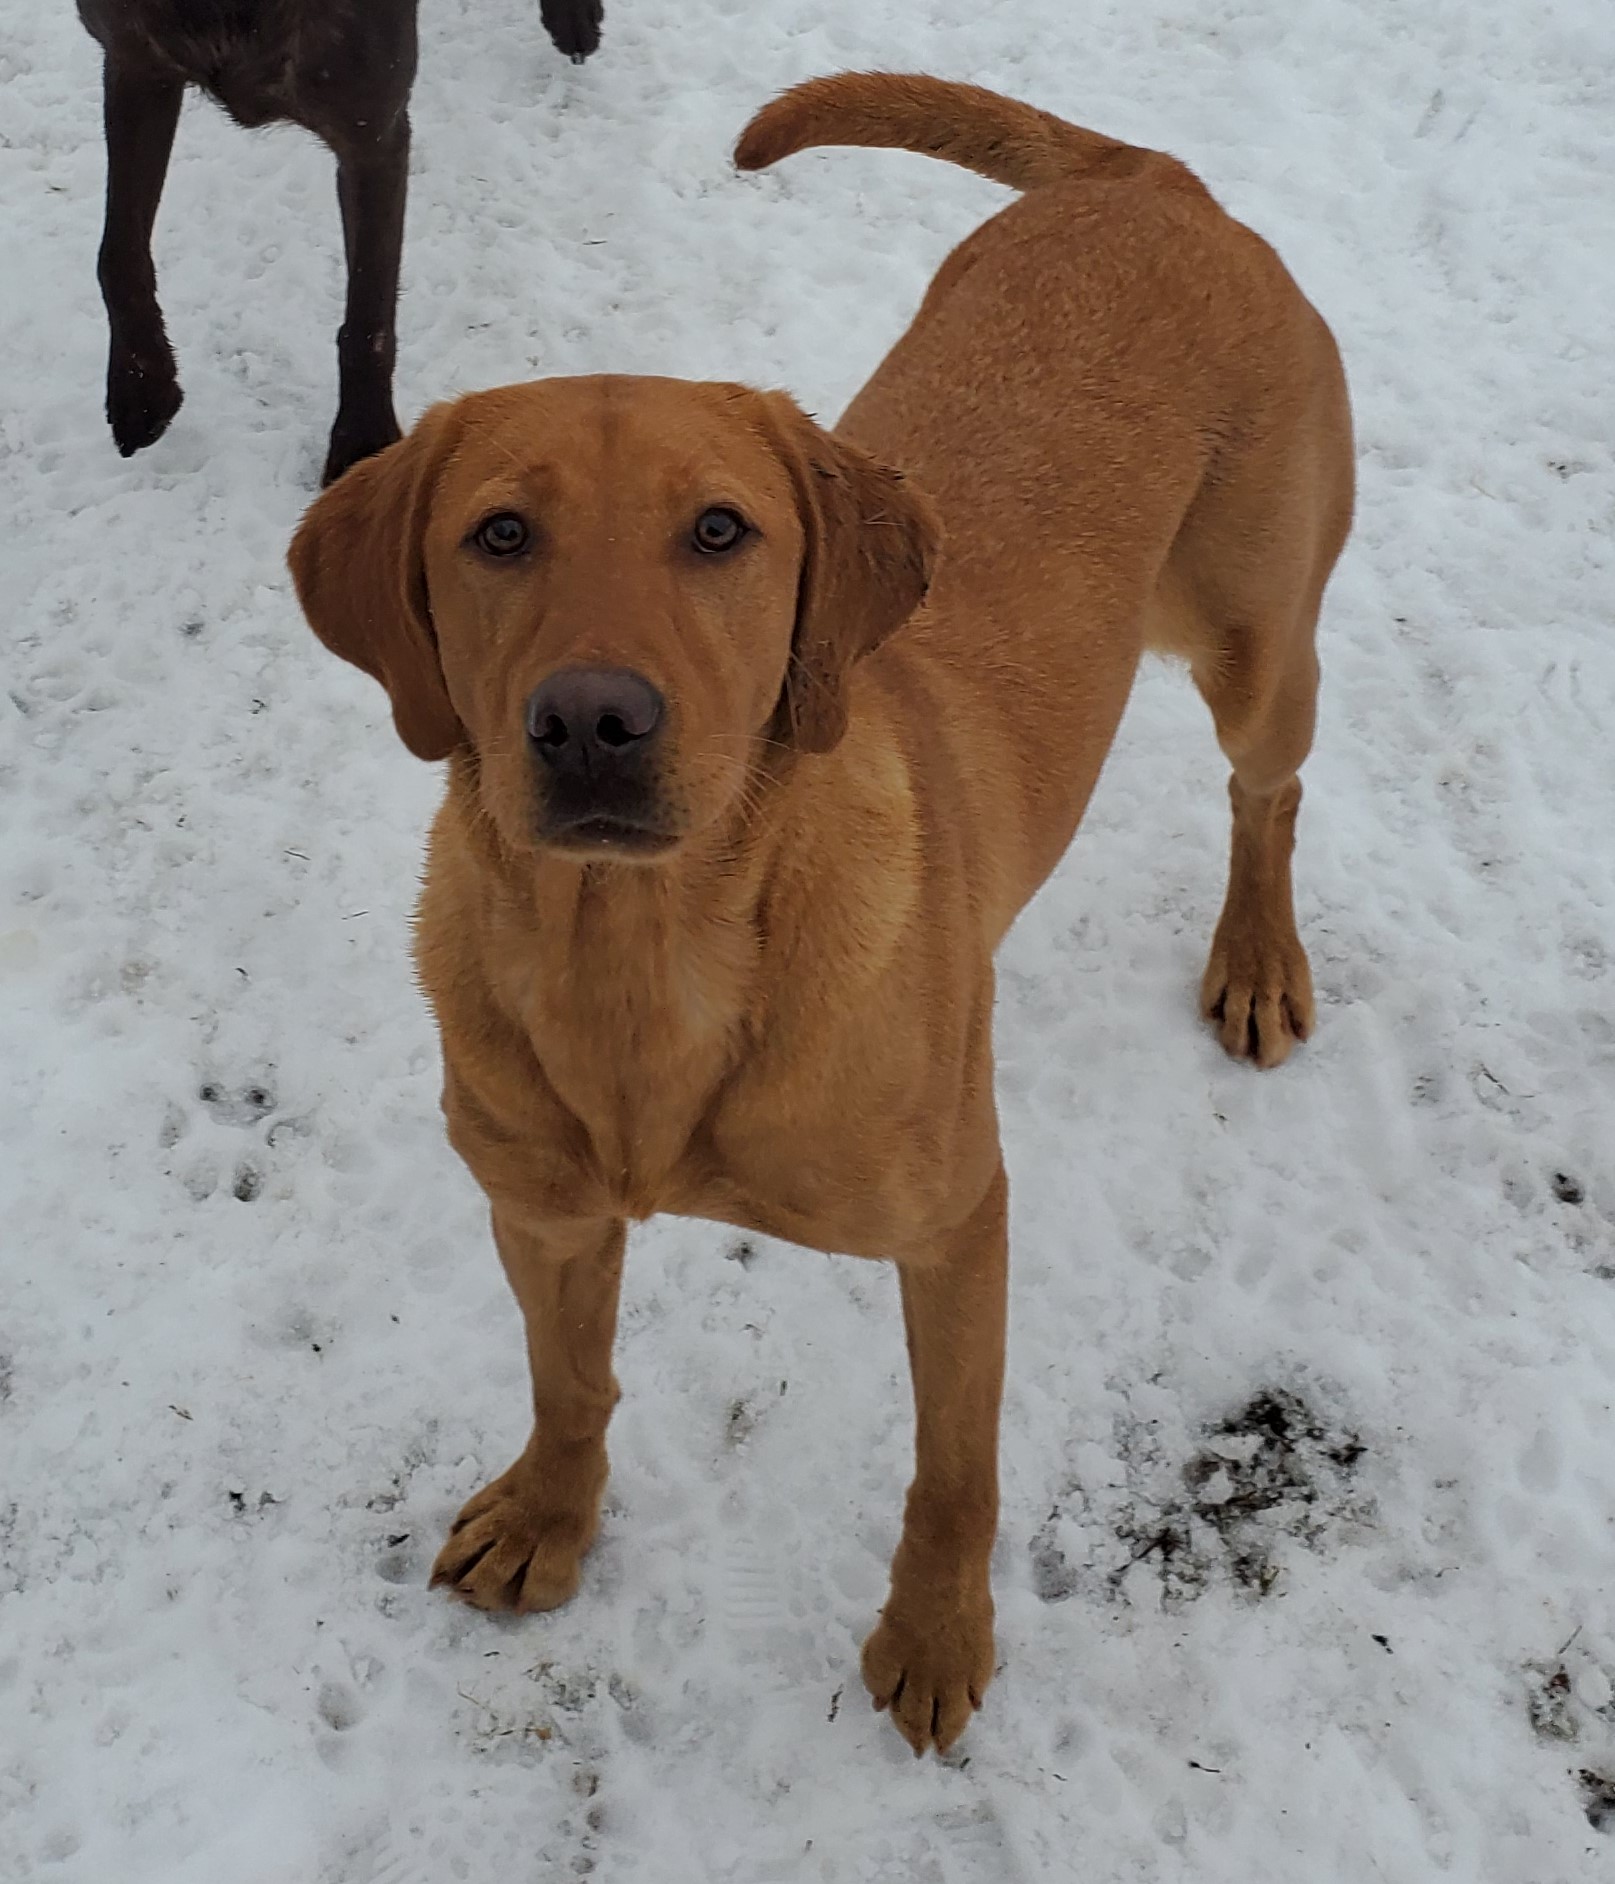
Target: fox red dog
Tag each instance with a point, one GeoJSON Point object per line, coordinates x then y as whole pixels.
{"type": "Point", "coordinates": [760, 735]}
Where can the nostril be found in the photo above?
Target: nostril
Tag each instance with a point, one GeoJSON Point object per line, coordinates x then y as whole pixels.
{"type": "Point", "coordinates": [585, 715]}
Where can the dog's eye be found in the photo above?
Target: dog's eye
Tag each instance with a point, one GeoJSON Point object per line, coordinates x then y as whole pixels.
{"type": "Point", "coordinates": [716, 531]}
{"type": "Point", "coordinates": [502, 534]}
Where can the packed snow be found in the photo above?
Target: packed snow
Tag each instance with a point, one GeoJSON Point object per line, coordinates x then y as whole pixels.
{"type": "Point", "coordinates": [1305, 1570]}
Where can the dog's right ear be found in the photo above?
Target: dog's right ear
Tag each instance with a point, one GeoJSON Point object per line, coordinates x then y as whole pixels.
{"type": "Point", "coordinates": [871, 541]}
{"type": "Point", "coordinates": [358, 566]}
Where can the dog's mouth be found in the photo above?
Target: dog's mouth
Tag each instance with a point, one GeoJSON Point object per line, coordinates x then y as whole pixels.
{"type": "Point", "coordinates": [593, 817]}
{"type": "Point", "coordinates": [599, 835]}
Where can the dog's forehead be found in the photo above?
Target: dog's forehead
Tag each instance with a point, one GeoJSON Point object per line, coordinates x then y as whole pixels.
{"type": "Point", "coordinates": [622, 434]}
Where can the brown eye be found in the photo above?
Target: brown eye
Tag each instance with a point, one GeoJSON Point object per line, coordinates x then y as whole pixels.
{"type": "Point", "coordinates": [502, 534]}
{"type": "Point", "coordinates": [716, 531]}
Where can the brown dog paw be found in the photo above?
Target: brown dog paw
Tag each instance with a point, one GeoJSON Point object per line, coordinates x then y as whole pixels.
{"type": "Point", "coordinates": [574, 25]}
{"type": "Point", "coordinates": [519, 1543]}
{"type": "Point", "coordinates": [143, 394]}
{"type": "Point", "coordinates": [931, 1669]}
{"type": "Point", "coordinates": [1257, 992]}
{"type": "Point", "coordinates": [353, 439]}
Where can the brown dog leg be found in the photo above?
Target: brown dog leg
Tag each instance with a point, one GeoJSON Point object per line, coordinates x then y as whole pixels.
{"type": "Point", "coordinates": [1240, 597]}
{"type": "Point", "coordinates": [142, 111]}
{"type": "Point", "coordinates": [931, 1654]}
{"type": "Point", "coordinates": [372, 182]}
{"type": "Point", "coordinates": [1257, 988]}
{"type": "Point", "coordinates": [519, 1543]}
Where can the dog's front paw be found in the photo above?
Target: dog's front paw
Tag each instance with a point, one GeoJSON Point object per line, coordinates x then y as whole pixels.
{"type": "Point", "coordinates": [1257, 991]}
{"type": "Point", "coordinates": [574, 25]}
{"type": "Point", "coordinates": [930, 1664]}
{"type": "Point", "coordinates": [353, 439]}
{"type": "Point", "coordinates": [143, 394]}
{"type": "Point", "coordinates": [519, 1543]}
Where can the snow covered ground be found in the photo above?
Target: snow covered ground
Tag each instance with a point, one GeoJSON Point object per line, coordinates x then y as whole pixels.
{"type": "Point", "coordinates": [1307, 1569]}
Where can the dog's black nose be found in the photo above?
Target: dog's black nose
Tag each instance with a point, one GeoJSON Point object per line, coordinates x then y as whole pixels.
{"type": "Point", "coordinates": [588, 723]}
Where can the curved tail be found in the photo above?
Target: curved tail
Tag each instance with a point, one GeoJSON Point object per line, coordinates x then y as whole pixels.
{"type": "Point", "coordinates": [997, 137]}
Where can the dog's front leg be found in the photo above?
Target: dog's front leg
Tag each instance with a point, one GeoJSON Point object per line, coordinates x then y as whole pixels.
{"type": "Point", "coordinates": [519, 1543]}
{"type": "Point", "coordinates": [931, 1655]}
{"type": "Point", "coordinates": [372, 184]}
{"type": "Point", "coordinates": [143, 393]}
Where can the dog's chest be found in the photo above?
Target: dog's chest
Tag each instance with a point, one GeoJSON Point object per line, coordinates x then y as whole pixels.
{"type": "Point", "coordinates": [652, 1053]}
{"type": "Point", "coordinates": [653, 1105]}
{"type": "Point", "coordinates": [639, 1092]}
{"type": "Point", "coordinates": [636, 1037]}
{"type": "Point", "coordinates": [245, 53]}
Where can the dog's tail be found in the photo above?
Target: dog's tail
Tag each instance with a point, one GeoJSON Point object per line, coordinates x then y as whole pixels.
{"type": "Point", "coordinates": [999, 138]}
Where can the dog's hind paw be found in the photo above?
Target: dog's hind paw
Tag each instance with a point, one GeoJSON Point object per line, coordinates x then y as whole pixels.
{"type": "Point", "coordinates": [1257, 992]}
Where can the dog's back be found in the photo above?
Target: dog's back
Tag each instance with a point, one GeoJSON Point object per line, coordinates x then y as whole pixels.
{"type": "Point", "coordinates": [1119, 353]}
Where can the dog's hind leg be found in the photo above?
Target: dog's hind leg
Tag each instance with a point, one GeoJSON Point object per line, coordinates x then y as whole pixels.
{"type": "Point", "coordinates": [1257, 988]}
{"type": "Point", "coordinates": [142, 111]}
{"type": "Point", "coordinates": [1240, 600]}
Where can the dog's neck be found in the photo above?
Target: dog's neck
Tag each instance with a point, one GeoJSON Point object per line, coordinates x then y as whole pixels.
{"type": "Point", "coordinates": [660, 930]}
{"type": "Point", "coordinates": [672, 945]}
{"type": "Point", "coordinates": [638, 986]}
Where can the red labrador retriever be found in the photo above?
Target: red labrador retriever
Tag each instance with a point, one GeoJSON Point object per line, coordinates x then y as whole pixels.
{"type": "Point", "coordinates": [760, 735]}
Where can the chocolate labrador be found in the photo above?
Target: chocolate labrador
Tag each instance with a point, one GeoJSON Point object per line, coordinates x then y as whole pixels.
{"type": "Point", "coordinates": [342, 69]}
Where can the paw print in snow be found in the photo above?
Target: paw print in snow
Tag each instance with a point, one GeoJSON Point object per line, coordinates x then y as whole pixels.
{"type": "Point", "coordinates": [211, 1165]}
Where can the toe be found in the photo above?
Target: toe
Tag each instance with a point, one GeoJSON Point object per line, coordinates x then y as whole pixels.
{"type": "Point", "coordinates": [1270, 1031]}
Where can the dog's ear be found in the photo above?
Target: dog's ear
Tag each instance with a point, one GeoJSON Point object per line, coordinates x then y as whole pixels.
{"type": "Point", "coordinates": [358, 566]}
{"type": "Point", "coordinates": [871, 543]}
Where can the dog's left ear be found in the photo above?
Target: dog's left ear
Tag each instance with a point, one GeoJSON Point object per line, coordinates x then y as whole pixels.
{"type": "Point", "coordinates": [871, 544]}
{"type": "Point", "coordinates": [358, 566]}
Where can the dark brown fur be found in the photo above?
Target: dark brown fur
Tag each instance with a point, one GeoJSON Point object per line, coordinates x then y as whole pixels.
{"type": "Point", "coordinates": [342, 69]}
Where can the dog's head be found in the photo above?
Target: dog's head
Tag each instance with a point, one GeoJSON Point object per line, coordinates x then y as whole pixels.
{"type": "Point", "coordinates": [621, 594]}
